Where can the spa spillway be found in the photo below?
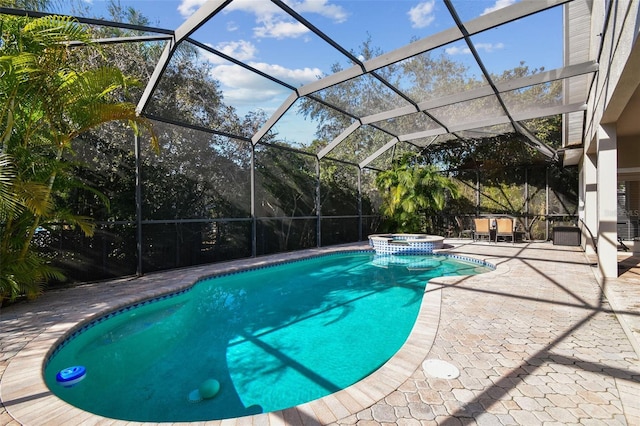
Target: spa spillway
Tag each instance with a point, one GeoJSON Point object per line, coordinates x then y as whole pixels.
{"type": "Point", "coordinates": [405, 243]}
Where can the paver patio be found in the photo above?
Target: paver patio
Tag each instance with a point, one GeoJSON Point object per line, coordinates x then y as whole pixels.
{"type": "Point", "coordinates": [537, 341]}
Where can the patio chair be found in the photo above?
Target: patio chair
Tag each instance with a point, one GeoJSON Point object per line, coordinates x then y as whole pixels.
{"type": "Point", "coordinates": [462, 232]}
{"type": "Point", "coordinates": [504, 228]}
{"type": "Point", "coordinates": [481, 228]}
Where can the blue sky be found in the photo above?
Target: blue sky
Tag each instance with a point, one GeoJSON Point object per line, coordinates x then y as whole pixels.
{"type": "Point", "coordinates": [259, 33]}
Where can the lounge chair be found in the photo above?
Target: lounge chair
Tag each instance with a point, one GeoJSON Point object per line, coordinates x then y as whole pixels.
{"type": "Point", "coordinates": [481, 228]}
{"type": "Point", "coordinates": [504, 228]}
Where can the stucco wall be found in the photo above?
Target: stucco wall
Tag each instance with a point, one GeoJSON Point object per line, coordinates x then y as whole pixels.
{"type": "Point", "coordinates": [629, 152]}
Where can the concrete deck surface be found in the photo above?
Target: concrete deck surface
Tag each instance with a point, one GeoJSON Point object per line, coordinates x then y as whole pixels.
{"type": "Point", "coordinates": [536, 342]}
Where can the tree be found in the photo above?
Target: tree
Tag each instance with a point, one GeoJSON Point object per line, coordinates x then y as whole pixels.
{"type": "Point", "coordinates": [413, 193]}
{"type": "Point", "coordinates": [45, 103]}
{"type": "Point", "coordinates": [198, 175]}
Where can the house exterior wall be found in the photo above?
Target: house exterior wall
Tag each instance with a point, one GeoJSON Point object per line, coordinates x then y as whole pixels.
{"type": "Point", "coordinates": [615, 26]}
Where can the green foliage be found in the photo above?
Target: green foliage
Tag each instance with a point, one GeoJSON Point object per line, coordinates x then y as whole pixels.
{"type": "Point", "coordinates": [60, 172]}
{"type": "Point", "coordinates": [197, 175]}
{"type": "Point", "coordinates": [286, 187]}
{"type": "Point", "coordinates": [493, 152]}
{"type": "Point", "coordinates": [413, 193]}
{"type": "Point", "coordinates": [519, 191]}
{"type": "Point", "coordinates": [45, 103]}
{"type": "Point", "coordinates": [25, 274]}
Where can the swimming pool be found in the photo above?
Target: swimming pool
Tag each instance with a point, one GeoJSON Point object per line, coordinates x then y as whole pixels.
{"type": "Point", "coordinates": [273, 338]}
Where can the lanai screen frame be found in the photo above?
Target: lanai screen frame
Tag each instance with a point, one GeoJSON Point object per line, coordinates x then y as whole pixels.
{"type": "Point", "coordinates": [463, 31]}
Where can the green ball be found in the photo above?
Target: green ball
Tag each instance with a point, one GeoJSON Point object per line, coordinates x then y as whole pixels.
{"type": "Point", "coordinates": [209, 388]}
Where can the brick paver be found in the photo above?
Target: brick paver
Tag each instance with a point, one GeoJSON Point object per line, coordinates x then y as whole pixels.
{"type": "Point", "coordinates": [536, 342]}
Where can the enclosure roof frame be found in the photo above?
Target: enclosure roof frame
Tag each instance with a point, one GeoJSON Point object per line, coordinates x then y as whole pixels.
{"type": "Point", "coordinates": [461, 31]}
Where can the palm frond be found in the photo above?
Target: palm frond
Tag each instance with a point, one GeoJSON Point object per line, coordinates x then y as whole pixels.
{"type": "Point", "coordinates": [25, 276]}
{"type": "Point", "coordinates": [19, 68]}
{"type": "Point", "coordinates": [9, 203]}
{"type": "Point", "coordinates": [51, 30]}
{"type": "Point", "coordinates": [85, 223]}
{"type": "Point", "coordinates": [35, 197]}
{"type": "Point", "coordinates": [99, 113]}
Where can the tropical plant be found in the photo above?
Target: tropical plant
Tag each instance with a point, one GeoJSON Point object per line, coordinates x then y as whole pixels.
{"type": "Point", "coordinates": [412, 193]}
{"type": "Point", "coordinates": [45, 103]}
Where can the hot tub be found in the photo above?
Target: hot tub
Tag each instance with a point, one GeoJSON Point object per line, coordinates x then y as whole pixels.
{"type": "Point", "coordinates": [405, 243]}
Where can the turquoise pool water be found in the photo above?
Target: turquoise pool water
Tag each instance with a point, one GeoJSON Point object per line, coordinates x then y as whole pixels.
{"type": "Point", "coordinates": [272, 338]}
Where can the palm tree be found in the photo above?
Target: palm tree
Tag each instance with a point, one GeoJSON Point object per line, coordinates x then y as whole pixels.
{"type": "Point", "coordinates": [412, 193]}
{"type": "Point", "coordinates": [45, 103]}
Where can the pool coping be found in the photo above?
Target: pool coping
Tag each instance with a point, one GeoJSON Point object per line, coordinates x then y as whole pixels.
{"type": "Point", "coordinates": [29, 401]}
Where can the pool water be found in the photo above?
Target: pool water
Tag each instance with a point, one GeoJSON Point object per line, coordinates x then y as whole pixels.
{"type": "Point", "coordinates": [273, 338]}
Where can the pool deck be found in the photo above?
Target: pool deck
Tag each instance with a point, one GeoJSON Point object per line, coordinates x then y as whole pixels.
{"type": "Point", "coordinates": [537, 341]}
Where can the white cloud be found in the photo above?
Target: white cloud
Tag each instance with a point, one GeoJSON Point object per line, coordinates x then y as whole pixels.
{"type": "Point", "coordinates": [422, 15]}
{"type": "Point", "coordinates": [263, 9]}
{"type": "Point", "coordinates": [257, 7]}
{"type": "Point", "coordinates": [187, 7]}
{"type": "Point", "coordinates": [240, 49]}
{"type": "Point", "coordinates": [273, 22]}
{"type": "Point", "coordinates": [464, 50]}
{"type": "Point", "coordinates": [242, 87]}
{"type": "Point", "coordinates": [457, 50]}
{"type": "Point", "coordinates": [295, 77]}
{"type": "Point", "coordinates": [239, 97]}
{"type": "Point", "coordinates": [279, 29]}
{"type": "Point", "coordinates": [498, 5]}
{"type": "Point", "coordinates": [489, 47]}
{"type": "Point", "coordinates": [321, 7]}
